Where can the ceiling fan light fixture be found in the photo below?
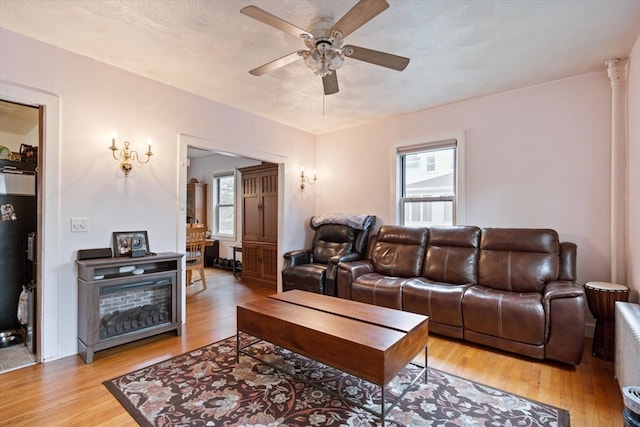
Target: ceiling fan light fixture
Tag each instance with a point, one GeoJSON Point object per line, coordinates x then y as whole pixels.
{"type": "Point", "coordinates": [335, 59]}
{"type": "Point", "coordinates": [325, 48]}
{"type": "Point", "coordinates": [325, 53]}
{"type": "Point", "coordinates": [323, 63]}
{"type": "Point", "coordinates": [312, 58]}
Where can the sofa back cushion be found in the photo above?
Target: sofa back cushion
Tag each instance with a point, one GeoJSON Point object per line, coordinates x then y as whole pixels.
{"type": "Point", "coordinates": [399, 251]}
{"type": "Point", "coordinates": [331, 240]}
{"type": "Point", "coordinates": [518, 259]}
{"type": "Point", "coordinates": [452, 255]}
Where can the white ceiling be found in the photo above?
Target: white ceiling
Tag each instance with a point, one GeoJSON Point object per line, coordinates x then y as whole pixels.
{"type": "Point", "coordinates": [458, 49]}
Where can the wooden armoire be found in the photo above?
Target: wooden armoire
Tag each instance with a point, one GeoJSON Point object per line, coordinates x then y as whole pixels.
{"type": "Point", "coordinates": [260, 225]}
{"type": "Point", "coordinates": [197, 203]}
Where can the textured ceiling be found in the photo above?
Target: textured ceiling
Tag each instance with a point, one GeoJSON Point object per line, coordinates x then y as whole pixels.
{"type": "Point", "coordinates": [458, 49]}
{"type": "Point", "coordinates": [17, 119]}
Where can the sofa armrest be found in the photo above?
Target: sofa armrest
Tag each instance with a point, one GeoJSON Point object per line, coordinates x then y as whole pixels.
{"type": "Point", "coordinates": [332, 270]}
{"type": "Point", "coordinates": [348, 257]}
{"type": "Point", "coordinates": [562, 289]}
{"type": "Point", "coordinates": [568, 253]}
{"type": "Point", "coordinates": [564, 309]}
{"type": "Point", "coordinates": [293, 258]}
{"type": "Point", "coordinates": [348, 272]}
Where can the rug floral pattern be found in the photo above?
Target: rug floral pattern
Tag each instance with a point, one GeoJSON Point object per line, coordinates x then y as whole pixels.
{"type": "Point", "coordinates": [206, 387]}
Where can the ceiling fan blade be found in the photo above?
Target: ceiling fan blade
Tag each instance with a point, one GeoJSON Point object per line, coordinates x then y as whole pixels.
{"type": "Point", "coordinates": [382, 59]}
{"type": "Point", "coordinates": [330, 83]}
{"type": "Point", "coordinates": [280, 62]}
{"type": "Point", "coordinates": [272, 20]}
{"type": "Point", "coordinates": [360, 14]}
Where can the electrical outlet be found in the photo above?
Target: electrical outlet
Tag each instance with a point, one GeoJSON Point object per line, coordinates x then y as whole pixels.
{"type": "Point", "coordinates": [79, 225]}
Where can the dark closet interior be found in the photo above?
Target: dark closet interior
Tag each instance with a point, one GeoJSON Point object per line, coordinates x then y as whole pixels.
{"type": "Point", "coordinates": [18, 223]}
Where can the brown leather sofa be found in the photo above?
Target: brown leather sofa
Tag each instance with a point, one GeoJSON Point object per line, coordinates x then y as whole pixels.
{"type": "Point", "coordinates": [513, 289]}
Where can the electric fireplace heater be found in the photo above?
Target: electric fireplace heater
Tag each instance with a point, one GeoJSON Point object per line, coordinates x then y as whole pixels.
{"type": "Point", "coordinates": [124, 299]}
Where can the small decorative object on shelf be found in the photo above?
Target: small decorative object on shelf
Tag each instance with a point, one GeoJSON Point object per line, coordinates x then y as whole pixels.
{"type": "Point", "coordinates": [28, 153]}
{"type": "Point", "coordinates": [130, 243]}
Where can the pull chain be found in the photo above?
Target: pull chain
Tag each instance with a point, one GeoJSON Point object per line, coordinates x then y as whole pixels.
{"type": "Point", "coordinates": [323, 97]}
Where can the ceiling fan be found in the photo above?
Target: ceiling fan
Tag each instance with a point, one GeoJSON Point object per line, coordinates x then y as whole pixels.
{"type": "Point", "coordinates": [325, 52]}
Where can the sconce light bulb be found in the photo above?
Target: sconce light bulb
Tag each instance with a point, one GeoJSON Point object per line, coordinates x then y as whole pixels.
{"type": "Point", "coordinates": [114, 135]}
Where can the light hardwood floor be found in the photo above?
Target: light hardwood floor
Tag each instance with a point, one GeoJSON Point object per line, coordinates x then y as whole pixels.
{"type": "Point", "coordinates": [70, 392]}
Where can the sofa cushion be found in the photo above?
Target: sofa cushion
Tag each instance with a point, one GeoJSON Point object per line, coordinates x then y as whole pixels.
{"type": "Point", "coordinates": [452, 255]}
{"type": "Point", "coordinates": [442, 302]}
{"type": "Point", "coordinates": [503, 314]}
{"type": "Point", "coordinates": [378, 289]}
{"type": "Point", "coordinates": [331, 240]}
{"type": "Point", "coordinates": [518, 260]}
{"type": "Point", "coordinates": [399, 251]}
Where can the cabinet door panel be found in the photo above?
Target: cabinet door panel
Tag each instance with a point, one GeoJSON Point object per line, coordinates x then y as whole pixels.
{"type": "Point", "coordinates": [250, 204]}
{"type": "Point", "coordinates": [191, 201]}
{"type": "Point", "coordinates": [269, 219]}
{"type": "Point", "coordinates": [269, 202]}
{"type": "Point", "coordinates": [252, 219]}
{"type": "Point", "coordinates": [251, 266]}
{"type": "Point", "coordinates": [197, 203]}
{"type": "Point", "coordinates": [270, 262]}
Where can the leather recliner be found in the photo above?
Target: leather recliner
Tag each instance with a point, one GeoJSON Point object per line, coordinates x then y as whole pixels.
{"type": "Point", "coordinates": [336, 240]}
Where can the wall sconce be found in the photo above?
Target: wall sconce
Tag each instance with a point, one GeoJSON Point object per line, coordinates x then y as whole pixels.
{"type": "Point", "coordinates": [126, 156]}
{"type": "Point", "coordinates": [306, 180]}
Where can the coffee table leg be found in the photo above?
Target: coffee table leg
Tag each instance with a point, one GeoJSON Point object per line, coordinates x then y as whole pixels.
{"type": "Point", "coordinates": [426, 359]}
{"type": "Point", "coordinates": [382, 409]}
{"type": "Point", "coordinates": [237, 346]}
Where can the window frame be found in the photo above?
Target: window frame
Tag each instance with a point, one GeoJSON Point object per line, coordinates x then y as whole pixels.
{"type": "Point", "coordinates": [427, 144]}
{"type": "Point", "coordinates": [215, 178]}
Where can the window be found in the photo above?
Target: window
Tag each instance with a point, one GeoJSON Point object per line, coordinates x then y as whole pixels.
{"type": "Point", "coordinates": [224, 186]}
{"type": "Point", "coordinates": [431, 163]}
{"type": "Point", "coordinates": [428, 177]}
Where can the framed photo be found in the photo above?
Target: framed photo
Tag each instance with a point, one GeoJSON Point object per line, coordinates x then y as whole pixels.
{"type": "Point", "coordinates": [130, 243]}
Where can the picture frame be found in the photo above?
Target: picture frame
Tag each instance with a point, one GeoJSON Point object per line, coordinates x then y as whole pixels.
{"type": "Point", "coordinates": [130, 243]}
{"type": "Point", "coordinates": [28, 153]}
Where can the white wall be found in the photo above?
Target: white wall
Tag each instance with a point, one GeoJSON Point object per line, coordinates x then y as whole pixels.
{"type": "Point", "coordinates": [536, 157]}
{"type": "Point", "coordinates": [11, 141]}
{"type": "Point", "coordinates": [85, 181]}
{"type": "Point", "coordinates": [633, 259]}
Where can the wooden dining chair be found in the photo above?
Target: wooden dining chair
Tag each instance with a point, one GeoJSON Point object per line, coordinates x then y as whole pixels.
{"type": "Point", "coordinates": [196, 239]}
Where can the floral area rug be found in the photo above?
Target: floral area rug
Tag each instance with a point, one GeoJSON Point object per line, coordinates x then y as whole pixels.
{"type": "Point", "coordinates": [206, 387]}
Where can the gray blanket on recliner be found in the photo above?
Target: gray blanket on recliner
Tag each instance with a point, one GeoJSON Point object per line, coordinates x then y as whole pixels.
{"type": "Point", "coordinates": [359, 222]}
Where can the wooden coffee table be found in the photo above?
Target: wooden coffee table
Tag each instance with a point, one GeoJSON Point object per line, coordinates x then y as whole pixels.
{"type": "Point", "coordinates": [370, 342]}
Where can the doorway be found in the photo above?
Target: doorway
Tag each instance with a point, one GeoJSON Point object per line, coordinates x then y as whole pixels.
{"type": "Point", "coordinates": [20, 143]}
{"type": "Point", "coordinates": [200, 147]}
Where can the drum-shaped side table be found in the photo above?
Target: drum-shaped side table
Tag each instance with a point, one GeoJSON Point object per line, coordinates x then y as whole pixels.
{"type": "Point", "coordinates": [601, 298]}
